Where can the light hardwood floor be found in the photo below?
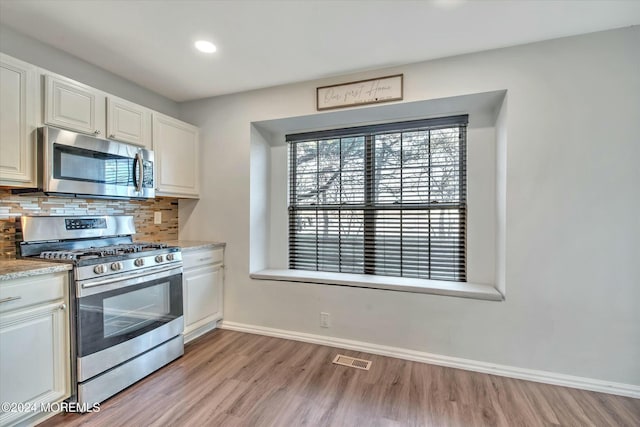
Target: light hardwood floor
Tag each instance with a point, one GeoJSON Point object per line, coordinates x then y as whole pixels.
{"type": "Point", "coordinates": [231, 378]}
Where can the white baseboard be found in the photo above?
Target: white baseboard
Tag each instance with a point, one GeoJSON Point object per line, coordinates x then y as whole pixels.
{"type": "Point", "coordinates": [545, 377]}
{"type": "Point", "coordinates": [190, 336]}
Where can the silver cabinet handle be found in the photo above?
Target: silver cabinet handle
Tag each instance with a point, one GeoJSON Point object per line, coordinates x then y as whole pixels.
{"type": "Point", "coordinates": [63, 306]}
{"type": "Point", "coordinates": [205, 259]}
{"type": "Point", "coordinates": [112, 136]}
{"type": "Point", "coordinates": [97, 132]}
{"type": "Point", "coordinates": [9, 299]}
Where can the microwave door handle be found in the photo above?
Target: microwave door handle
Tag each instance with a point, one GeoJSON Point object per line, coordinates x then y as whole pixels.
{"type": "Point", "coordinates": [135, 171]}
{"type": "Point", "coordinates": [138, 161]}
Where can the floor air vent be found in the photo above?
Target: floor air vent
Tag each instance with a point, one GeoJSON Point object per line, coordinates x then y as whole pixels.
{"type": "Point", "coordinates": [352, 362]}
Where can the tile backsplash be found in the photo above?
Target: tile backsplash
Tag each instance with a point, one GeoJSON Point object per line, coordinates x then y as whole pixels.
{"type": "Point", "coordinates": [13, 206]}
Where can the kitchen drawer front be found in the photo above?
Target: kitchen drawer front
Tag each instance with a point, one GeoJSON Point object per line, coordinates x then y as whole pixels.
{"type": "Point", "coordinates": [191, 259]}
{"type": "Point", "coordinates": [28, 291]}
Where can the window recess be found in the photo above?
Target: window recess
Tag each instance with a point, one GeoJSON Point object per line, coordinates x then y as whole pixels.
{"type": "Point", "coordinates": [386, 200]}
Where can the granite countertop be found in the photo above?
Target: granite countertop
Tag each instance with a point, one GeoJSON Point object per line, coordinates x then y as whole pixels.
{"type": "Point", "coordinates": [17, 268]}
{"type": "Point", "coordinates": [192, 245]}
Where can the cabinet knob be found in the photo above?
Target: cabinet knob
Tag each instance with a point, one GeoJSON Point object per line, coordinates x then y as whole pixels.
{"type": "Point", "coordinates": [97, 132]}
{"type": "Point", "coordinates": [63, 306]}
{"type": "Point", "coordinates": [112, 136]}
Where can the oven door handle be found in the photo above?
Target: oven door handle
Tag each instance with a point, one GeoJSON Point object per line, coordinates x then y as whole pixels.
{"type": "Point", "coordinates": [129, 277]}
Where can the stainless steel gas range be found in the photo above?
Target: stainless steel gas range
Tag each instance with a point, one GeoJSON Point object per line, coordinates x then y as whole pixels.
{"type": "Point", "coordinates": [126, 298]}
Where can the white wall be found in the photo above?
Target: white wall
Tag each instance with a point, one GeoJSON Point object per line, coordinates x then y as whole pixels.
{"type": "Point", "coordinates": [572, 202]}
{"type": "Point", "coordinates": [260, 194]}
{"type": "Point", "coordinates": [37, 53]}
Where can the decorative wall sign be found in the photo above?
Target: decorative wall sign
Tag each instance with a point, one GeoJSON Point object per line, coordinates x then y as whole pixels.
{"type": "Point", "coordinates": [371, 91]}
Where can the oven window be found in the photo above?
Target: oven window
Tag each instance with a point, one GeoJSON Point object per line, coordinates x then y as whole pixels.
{"type": "Point", "coordinates": [106, 319]}
{"type": "Point", "coordinates": [92, 166]}
{"type": "Point", "coordinates": [135, 310]}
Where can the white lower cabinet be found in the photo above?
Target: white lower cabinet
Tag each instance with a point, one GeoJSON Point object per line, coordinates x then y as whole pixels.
{"type": "Point", "coordinates": [203, 282]}
{"type": "Point", "coordinates": [34, 346]}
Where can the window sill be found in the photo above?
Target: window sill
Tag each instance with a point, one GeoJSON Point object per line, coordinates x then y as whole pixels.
{"type": "Point", "coordinates": [402, 284]}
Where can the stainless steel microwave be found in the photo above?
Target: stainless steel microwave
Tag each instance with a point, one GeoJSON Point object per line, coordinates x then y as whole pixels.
{"type": "Point", "coordinates": [74, 164]}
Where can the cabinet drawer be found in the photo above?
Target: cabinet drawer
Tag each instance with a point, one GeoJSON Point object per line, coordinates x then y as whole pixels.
{"type": "Point", "coordinates": [202, 257]}
{"type": "Point", "coordinates": [28, 291]}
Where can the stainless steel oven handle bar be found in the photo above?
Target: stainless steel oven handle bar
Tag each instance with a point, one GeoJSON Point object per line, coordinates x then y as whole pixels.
{"type": "Point", "coordinates": [123, 278]}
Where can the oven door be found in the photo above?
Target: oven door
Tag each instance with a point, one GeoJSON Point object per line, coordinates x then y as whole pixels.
{"type": "Point", "coordinates": [81, 164]}
{"type": "Point", "coordinates": [119, 319]}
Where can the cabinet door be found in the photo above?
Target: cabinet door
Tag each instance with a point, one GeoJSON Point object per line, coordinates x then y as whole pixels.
{"type": "Point", "coordinates": [18, 106]}
{"type": "Point", "coordinates": [34, 357]}
{"type": "Point", "coordinates": [202, 296]}
{"type": "Point", "coordinates": [176, 147]}
{"type": "Point", "coordinates": [74, 106]}
{"type": "Point", "coordinates": [128, 122]}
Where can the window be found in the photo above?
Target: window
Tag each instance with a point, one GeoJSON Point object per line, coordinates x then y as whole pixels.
{"type": "Point", "coordinates": [385, 199]}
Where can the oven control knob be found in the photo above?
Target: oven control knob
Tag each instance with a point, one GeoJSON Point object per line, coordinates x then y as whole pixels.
{"type": "Point", "coordinates": [139, 262]}
{"type": "Point", "coordinates": [159, 258]}
{"type": "Point", "coordinates": [170, 257]}
{"type": "Point", "coordinates": [116, 266]}
{"type": "Point", "coordinates": [99, 269]}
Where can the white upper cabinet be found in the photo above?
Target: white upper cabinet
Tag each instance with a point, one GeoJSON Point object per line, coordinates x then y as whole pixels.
{"type": "Point", "coordinates": [176, 146]}
{"type": "Point", "coordinates": [128, 122]}
{"type": "Point", "coordinates": [31, 96]}
{"type": "Point", "coordinates": [72, 105]}
{"type": "Point", "coordinates": [18, 121]}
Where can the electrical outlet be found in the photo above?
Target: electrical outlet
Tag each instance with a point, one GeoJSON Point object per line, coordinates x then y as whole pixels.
{"type": "Point", "coordinates": [325, 319]}
{"type": "Point", "coordinates": [157, 217]}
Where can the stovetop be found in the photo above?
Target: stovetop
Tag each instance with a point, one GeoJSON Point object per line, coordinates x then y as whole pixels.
{"type": "Point", "coordinates": [102, 251]}
{"type": "Point", "coordinates": [97, 246]}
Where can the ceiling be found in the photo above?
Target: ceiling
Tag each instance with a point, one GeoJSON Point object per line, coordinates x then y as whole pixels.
{"type": "Point", "coordinates": [268, 43]}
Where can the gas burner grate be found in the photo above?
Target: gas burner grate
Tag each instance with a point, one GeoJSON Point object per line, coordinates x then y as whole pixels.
{"type": "Point", "coordinates": [103, 251]}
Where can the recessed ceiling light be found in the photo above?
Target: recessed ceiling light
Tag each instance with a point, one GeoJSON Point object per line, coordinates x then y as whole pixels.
{"type": "Point", "coordinates": [205, 46]}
